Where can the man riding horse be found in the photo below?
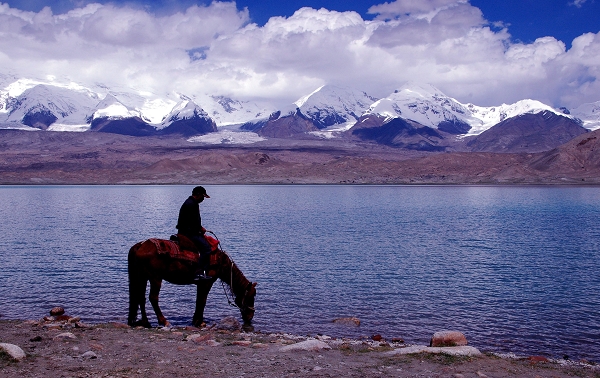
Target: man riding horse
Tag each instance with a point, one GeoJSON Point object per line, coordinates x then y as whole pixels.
{"type": "Point", "coordinates": [155, 260]}
{"type": "Point", "coordinates": [189, 224]}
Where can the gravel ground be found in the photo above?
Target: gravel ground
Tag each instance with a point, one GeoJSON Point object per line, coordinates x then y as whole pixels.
{"type": "Point", "coordinates": [72, 349]}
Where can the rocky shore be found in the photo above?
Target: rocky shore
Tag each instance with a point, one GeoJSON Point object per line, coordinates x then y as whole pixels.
{"type": "Point", "coordinates": [63, 346]}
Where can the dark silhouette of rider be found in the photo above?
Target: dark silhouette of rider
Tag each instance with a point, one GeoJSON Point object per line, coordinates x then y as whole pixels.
{"type": "Point", "coordinates": [189, 224]}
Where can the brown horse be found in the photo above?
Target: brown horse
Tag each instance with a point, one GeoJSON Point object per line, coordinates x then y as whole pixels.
{"type": "Point", "coordinates": [146, 264]}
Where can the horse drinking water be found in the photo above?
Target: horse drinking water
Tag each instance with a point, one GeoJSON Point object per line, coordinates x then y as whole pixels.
{"type": "Point", "coordinates": [147, 261]}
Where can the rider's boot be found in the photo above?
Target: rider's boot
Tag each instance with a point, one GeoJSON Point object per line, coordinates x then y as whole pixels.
{"type": "Point", "coordinates": [201, 274]}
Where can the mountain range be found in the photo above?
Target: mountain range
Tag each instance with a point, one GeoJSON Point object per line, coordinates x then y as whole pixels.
{"type": "Point", "coordinates": [415, 117]}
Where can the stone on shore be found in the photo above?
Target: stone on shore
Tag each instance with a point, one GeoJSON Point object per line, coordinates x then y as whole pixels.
{"type": "Point", "coordinates": [448, 339]}
{"type": "Point", "coordinates": [229, 323]}
{"type": "Point", "coordinates": [65, 336]}
{"type": "Point", "coordinates": [57, 311]}
{"type": "Point", "coordinates": [89, 355]}
{"type": "Point", "coordinates": [15, 352]}
{"type": "Point", "coordinates": [355, 322]}
{"type": "Point", "coordinates": [198, 338]}
{"type": "Point", "coordinates": [453, 351]}
{"type": "Point", "coordinates": [308, 345]}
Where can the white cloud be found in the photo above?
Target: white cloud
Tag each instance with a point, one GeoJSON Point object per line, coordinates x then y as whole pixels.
{"type": "Point", "coordinates": [400, 8]}
{"type": "Point", "coordinates": [214, 49]}
{"type": "Point", "coordinates": [578, 3]}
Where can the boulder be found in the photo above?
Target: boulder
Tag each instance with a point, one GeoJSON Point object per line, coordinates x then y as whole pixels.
{"type": "Point", "coordinates": [57, 311]}
{"type": "Point", "coordinates": [229, 324]}
{"type": "Point", "coordinates": [448, 339]}
{"type": "Point", "coordinates": [15, 352]}
{"type": "Point", "coordinates": [309, 345]}
{"type": "Point", "coordinates": [354, 322]}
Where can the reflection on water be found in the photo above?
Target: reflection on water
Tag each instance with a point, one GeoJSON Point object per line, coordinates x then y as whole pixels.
{"type": "Point", "coordinates": [514, 268]}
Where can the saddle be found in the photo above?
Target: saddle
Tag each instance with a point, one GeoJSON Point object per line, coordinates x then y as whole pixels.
{"type": "Point", "coordinates": [187, 244]}
{"type": "Point", "coordinates": [173, 250]}
{"type": "Point", "coordinates": [180, 247]}
{"type": "Point", "coordinates": [184, 242]}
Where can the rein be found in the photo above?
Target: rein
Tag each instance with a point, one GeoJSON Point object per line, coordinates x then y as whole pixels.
{"type": "Point", "coordinates": [232, 301]}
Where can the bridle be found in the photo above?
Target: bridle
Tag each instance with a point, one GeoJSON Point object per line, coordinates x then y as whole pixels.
{"type": "Point", "coordinates": [231, 302]}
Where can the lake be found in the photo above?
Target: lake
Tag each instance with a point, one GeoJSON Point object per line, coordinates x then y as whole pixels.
{"type": "Point", "coordinates": [514, 268]}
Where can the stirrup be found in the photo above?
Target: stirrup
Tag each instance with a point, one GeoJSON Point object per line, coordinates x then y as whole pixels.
{"type": "Point", "coordinates": [201, 277]}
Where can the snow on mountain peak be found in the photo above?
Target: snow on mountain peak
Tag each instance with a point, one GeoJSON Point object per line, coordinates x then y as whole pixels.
{"type": "Point", "coordinates": [331, 105]}
{"type": "Point", "coordinates": [67, 105]}
{"type": "Point", "coordinates": [589, 114]}
{"type": "Point", "coordinates": [301, 101]}
{"type": "Point", "coordinates": [110, 107]}
{"type": "Point", "coordinates": [482, 118]}
{"type": "Point", "coordinates": [422, 103]}
{"type": "Point", "coordinates": [427, 105]}
{"type": "Point", "coordinates": [186, 109]}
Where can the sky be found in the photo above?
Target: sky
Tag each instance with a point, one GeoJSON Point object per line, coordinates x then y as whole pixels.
{"type": "Point", "coordinates": [485, 52]}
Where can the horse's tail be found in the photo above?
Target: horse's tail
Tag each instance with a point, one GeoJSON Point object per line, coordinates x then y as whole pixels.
{"type": "Point", "coordinates": [134, 282]}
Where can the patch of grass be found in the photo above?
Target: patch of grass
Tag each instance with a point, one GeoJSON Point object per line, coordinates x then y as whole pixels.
{"type": "Point", "coordinates": [384, 348]}
{"type": "Point", "coordinates": [445, 359]}
{"type": "Point", "coordinates": [396, 360]}
{"type": "Point", "coordinates": [365, 350]}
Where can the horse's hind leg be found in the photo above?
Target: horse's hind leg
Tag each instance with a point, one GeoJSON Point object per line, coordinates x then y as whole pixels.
{"type": "Point", "coordinates": [138, 300]}
{"type": "Point", "coordinates": [144, 322]}
{"type": "Point", "coordinates": [154, 291]}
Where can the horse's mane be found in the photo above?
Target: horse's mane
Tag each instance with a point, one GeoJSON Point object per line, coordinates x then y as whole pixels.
{"type": "Point", "coordinates": [233, 276]}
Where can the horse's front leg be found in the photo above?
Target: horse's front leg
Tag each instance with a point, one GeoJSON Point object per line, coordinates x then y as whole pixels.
{"type": "Point", "coordinates": [155, 285]}
{"type": "Point", "coordinates": [202, 290]}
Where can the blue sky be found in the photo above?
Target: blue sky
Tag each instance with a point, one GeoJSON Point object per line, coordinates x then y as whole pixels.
{"type": "Point", "coordinates": [479, 51]}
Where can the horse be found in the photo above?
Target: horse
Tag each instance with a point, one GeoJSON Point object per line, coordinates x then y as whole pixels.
{"type": "Point", "coordinates": [144, 263]}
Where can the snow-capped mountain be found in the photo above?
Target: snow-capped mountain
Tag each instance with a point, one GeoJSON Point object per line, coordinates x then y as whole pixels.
{"type": "Point", "coordinates": [527, 132]}
{"type": "Point", "coordinates": [110, 107]}
{"type": "Point", "coordinates": [425, 105]}
{"type": "Point", "coordinates": [589, 114]}
{"type": "Point", "coordinates": [416, 116]}
{"type": "Point", "coordinates": [187, 118]}
{"type": "Point", "coordinates": [328, 110]}
{"type": "Point", "coordinates": [71, 107]}
{"type": "Point", "coordinates": [44, 106]}
{"type": "Point", "coordinates": [331, 105]}
{"type": "Point", "coordinates": [227, 111]}
{"type": "Point", "coordinates": [428, 106]}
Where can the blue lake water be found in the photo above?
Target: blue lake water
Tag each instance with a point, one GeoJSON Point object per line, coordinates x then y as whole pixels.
{"type": "Point", "coordinates": [514, 268]}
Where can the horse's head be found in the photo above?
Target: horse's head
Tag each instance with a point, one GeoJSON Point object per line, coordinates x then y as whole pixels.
{"type": "Point", "coordinates": [246, 302]}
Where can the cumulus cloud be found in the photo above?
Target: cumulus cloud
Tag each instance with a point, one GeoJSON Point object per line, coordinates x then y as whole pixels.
{"type": "Point", "coordinates": [399, 8]}
{"type": "Point", "coordinates": [215, 49]}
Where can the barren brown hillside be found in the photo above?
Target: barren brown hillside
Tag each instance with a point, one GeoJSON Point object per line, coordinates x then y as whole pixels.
{"type": "Point", "coordinates": [95, 158]}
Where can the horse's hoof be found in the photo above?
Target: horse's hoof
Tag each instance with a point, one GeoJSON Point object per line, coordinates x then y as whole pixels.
{"type": "Point", "coordinates": [140, 323]}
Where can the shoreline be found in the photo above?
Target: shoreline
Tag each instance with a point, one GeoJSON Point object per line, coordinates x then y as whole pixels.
{"type": "Point", "coordinates": [69, 348]}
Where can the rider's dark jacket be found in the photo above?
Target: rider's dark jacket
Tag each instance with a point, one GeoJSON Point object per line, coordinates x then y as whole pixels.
{"type": "Point", "coordinates": [189, 222]}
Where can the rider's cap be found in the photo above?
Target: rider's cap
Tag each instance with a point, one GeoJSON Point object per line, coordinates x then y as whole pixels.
{"type": "Point", "coordinates": [200, 191]}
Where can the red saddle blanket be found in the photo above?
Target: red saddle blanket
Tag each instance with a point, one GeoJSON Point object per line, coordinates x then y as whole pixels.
{"type": "Point", "coordinates": [172, 249]}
